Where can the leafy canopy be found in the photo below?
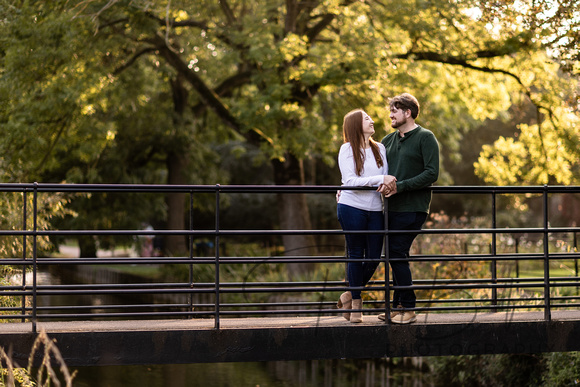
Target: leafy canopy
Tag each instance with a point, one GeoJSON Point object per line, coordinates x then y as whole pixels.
{"type": "Point", "coordinates": [91, 88]}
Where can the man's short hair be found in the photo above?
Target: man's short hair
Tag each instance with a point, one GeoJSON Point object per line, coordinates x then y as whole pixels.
{"type": "Point", "coordinates": [405, 101]}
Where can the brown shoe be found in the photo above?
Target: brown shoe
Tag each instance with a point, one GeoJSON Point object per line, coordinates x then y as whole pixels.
{"type": "Point", "coordinates": [345, 302]}
{"type": "Point", "coordinates": [405, 318]}
{"type": "Point", "coordinates": [356, 317]}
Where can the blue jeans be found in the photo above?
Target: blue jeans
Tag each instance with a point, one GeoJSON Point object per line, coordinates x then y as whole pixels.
{"type": "Point", "coordinates": [399, 247]}
{"type": "Point", "coordinates": [364, 248]}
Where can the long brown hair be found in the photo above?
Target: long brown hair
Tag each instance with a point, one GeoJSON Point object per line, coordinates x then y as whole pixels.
{"type": "Point", "coordinates": [352, 131]}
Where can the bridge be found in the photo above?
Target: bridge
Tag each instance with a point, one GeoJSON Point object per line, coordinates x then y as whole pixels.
{"type": "Point", "coordinates": [494, 304]}
{"type": "Point", "coordinates": [182, 341]}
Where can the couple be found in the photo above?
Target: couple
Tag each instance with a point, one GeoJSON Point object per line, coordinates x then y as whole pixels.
{"type": "Point", "coordinates": [403, 166]}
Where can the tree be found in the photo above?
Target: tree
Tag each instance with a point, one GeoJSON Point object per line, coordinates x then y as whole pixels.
{"type": "Point", "coordinates": [67, 117]}
{"type": "Point", "coordinates": [157, 82]}
{"type": "Point", "coordinates": [545, 152]}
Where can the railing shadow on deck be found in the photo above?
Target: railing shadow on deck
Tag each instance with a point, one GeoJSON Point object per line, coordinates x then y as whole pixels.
{"type": "Point", "coordinates": [217, 299]}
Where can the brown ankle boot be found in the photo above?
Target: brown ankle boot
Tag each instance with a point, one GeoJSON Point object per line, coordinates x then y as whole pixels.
{"type": "Point", "coordinates": [356, 317]}
{"type": "Point", "coordinates": [345, 302]}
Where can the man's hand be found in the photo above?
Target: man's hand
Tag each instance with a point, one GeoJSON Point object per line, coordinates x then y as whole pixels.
{"type": "Point", "coordinates": [390, 182]}
{"type": "Point", "coordinates": [389, 186]}
{"type": "Point", "coordinates": [337, 196]}
{"type": "Point", "coordinates": [391, 192]}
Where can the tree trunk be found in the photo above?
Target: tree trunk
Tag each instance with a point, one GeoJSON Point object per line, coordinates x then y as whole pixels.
{"type": "Point", "coordinates": [294, 214]}
{"type": "Point", "coordinates": [175, 244]}
{"type": "Point", "coordinates": [87, 246]}
{"type": "Point", "coordinates": [176, 167]}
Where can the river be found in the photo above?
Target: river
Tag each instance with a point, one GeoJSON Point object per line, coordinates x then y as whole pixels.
{"type": "Point", "coordinates": [326, 373]}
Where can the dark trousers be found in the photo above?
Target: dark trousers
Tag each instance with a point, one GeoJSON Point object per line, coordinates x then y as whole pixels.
{"type": "Point", "coordinates": [399, 247]}
{"type": "Point", "coordinates": [364, 248]}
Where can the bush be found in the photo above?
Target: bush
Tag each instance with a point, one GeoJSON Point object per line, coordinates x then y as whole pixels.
{"type": "Point", "coordinates": [489, 370]}
{"type": "Point", "coordinates": [563, 369]}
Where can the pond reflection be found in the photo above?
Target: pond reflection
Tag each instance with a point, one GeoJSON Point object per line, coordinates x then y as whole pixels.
{"type": "Point", "coordinates": [316, 373]}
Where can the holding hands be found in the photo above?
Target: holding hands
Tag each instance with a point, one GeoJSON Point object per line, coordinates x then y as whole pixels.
{"type": "Point", "coordinates": [389, 186]}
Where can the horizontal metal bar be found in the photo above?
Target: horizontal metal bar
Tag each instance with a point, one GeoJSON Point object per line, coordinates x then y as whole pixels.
{"type": "Point", "coordinates": [207, 233]}
{"type": "Point", "coordinates": [243, 287]}
{"type": "Point", "coordinates": [50, 187]}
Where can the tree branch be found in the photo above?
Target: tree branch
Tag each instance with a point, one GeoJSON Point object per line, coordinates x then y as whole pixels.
{"type": "Point", "coordinates": [202, 25]}
{"type": "Point", "coordinates": [132, 60]}
{"type": "Point", "coordinates": [207, 95]}
{"type": "Point", "coordinates": [313, 32]}
{"type": "Point", "coordinates": [227, 11]}
{"type": "Point", "coordinates": [460, 61]}
{"type": "Point", "coordinates": [113, 22]}
{"type": "Point", "coordinates": [52, 145]}
{"type": "Point", "coordinates": [292, 10]}
{"type": "Point", "coordinates": [182, 23]}
{"type": "Point", "coordinates": [225, 88]}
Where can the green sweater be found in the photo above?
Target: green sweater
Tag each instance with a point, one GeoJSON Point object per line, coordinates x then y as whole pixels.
{"type": "Point", "coordinates": [414, 161]}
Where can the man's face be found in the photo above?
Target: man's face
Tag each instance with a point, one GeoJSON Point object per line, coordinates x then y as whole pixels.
{"type": "Point", "coordinates": [398, 117]}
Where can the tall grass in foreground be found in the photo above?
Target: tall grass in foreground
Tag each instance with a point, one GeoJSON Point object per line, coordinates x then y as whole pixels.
{"type": "Point", "coordinates": [12, 374]}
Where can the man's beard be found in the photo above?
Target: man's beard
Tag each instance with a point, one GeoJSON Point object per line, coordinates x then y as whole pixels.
{"type": "Point", "coordinates": [398, 123]}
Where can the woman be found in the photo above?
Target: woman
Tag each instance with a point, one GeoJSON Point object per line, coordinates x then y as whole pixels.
{"type": "Point", "coordinates": [362, 162]}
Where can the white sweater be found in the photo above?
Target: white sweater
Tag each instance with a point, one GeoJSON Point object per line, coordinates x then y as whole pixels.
{"type": "Point", "coordinates": [371, 176]}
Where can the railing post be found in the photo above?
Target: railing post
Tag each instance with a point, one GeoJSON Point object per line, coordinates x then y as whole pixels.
{"type": "Point", "coordinates": [494, 249]}
{"type": "Point", "coordinates": [217, 257]}
{"type": "Point", "coordinates": [191, 252]}
{"type": "Point", "coordinates": [575, 249]}
{"type": "Point", "coordinates": [34, 255]}
{"type": "Point", "coordinates": [517, 248]}
{"type": "Point", "coordinates": [24, 246]}
{"type": "Point", "coordinates": [387, 264]}
{"type": "Point", "coordinates": [547, 314]}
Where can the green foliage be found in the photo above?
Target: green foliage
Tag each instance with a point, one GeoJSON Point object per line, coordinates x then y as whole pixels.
{"type": "Point", "coordinates": [563, 369]}
{"type": "Point", "coordinates": [553, 369]}
{"type": "Point", "coordinates": [7, 274]}
{"type": "Point", "coordinates": [537, 156]}
{"type": "Point", "coordinates": [489, 370]}
{"type": "Point", "coordinates": [102, 79]}
{"type": "Point", "coordinates": [49, 208]}
{"type": "Point", "coordinates": [545, 152]}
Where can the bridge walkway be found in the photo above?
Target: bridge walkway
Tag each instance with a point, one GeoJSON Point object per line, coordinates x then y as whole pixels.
{"type": "Point", "coordinates": [95, 343]}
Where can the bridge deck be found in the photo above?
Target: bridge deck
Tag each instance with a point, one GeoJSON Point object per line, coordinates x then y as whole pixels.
{"type": "Point", "coordinates": [280, 322]}
{"type": "Point", "coordinates": [85, 343]}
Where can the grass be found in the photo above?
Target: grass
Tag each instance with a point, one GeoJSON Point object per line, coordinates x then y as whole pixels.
{"type": "Point", "coordinates": [146, 271]}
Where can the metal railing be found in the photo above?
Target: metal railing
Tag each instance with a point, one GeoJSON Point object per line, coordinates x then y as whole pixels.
{"type": "Point", "coordinates": [241, 294]}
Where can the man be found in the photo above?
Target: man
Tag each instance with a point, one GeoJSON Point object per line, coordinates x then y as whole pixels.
{"type": "Point", "coordinates": [413, 158]}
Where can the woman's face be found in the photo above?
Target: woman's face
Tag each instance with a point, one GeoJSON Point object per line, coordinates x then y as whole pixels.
{"type": "Point", "coordinates": [368, 127]}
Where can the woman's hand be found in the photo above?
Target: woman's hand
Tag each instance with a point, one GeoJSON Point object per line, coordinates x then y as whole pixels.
{"type": "Point", "coordinates": [389, 186]}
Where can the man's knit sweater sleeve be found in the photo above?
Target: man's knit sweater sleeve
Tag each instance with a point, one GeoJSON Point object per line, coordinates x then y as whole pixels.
{"type": "Point", "coordinates": [430, 154]}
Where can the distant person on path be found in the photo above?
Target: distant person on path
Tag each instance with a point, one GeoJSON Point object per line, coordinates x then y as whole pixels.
{"type": "Point", "coordinates": [362, 162]}
{"type": "Point", "coordinates": [146, 242]}
{"type": "Point", "coordinates": [413, 157]}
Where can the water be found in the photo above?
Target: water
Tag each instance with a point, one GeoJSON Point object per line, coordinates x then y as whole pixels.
{"type": "Point", "coordinates": [326, 373]}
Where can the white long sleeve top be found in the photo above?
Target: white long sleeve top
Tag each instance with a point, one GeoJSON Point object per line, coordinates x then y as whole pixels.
{"type": "Point", "coordinates": [372, 175]}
